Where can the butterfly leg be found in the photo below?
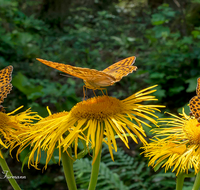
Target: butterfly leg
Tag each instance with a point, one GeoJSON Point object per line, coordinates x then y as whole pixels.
{"type": "Point", "coordinates": [103, 92]}
{"type": "Point", "coordinates": [198, 119]}
{"type": "Point", "coordinates": [106, 92]}
{"type": "Point", "coordinates": [84, 92]}
{"type": "Point", "coordinates": [94, 92]}
{"type": "Point", "coordinates": [2, 109]}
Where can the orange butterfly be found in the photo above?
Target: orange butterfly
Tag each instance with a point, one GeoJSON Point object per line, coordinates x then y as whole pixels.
{"type": "Point", "coordinates": [94, 79]}
{"type": "Point", "coordinates": [5, 85]}
{"type": "Point", "coordinates": [195, 102]}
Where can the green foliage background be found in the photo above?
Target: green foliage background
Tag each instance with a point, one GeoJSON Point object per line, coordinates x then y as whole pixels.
{"type": "Point", "coordinates": [163, 35]}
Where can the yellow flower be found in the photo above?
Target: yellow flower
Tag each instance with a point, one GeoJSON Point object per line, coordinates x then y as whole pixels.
{"type": "Point", "coordinates": [13, 125]}
{"type": "Point", "coordinates": [44, 135]}
{"type": "Point", "coordinates": [103, 117]}
{"type": "Point", "coordinates": [177, 145]}
{"type": "Point", "coordinates": [95, 120]}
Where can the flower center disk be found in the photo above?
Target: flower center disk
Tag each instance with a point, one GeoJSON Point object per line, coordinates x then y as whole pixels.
{"type": "Point", "coordinates": [98, 108]}
{"type": "Point", "coordinates": [4, 119]}
{"type": "Point", "coordinates": [192, 130]}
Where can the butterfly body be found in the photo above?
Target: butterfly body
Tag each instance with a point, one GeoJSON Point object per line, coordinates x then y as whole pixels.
{"type": "Point", "coordinates": [5, 85]}
{"type": "Point", "coordinates": [98, 82]}
{"type": "Point", "coordinates": [195, 102]}
{"type": "Point", "coordinates": [93, 78]}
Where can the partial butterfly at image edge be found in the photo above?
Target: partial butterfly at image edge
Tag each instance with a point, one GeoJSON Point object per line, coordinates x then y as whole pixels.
{"type": "Point", "coordinates": [5, 85]}
{"type": "Point", "coordinates": [194, 103]}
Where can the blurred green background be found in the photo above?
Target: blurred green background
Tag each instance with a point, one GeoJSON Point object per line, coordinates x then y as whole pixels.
{"type": "Point", "coordinates": [164, 35]}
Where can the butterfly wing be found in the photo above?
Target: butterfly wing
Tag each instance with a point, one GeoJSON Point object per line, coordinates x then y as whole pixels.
{"type": "Point", "coordinates": [121, 68]}
{"type": "Point", "coordinates": [6, 75]}
{"type": "Point", "coordinates": [71, 70]}
{"type": "Point", "coordinates": [198, 87]}
{"type": "Point", "coordinates": [5, 85]}
{"type": "Point", "coordinates": [195, 102]}
{"type": "Point", "coordinates": [83, 73]}
{"type": "Point", "coordinates": [4, 91]}
{"type": "Point", "coordinates": [195, 106]}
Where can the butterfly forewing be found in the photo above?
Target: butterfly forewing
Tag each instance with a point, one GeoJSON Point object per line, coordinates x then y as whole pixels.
{"type": "Point", "coordinates": [83, 73]}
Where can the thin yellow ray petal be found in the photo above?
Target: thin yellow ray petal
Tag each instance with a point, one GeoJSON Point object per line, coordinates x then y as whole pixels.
{"type": "Point", "coordinates": [109, 128]}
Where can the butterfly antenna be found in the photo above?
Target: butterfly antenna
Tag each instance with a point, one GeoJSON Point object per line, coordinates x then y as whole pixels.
{"type": "Point", "coordinates": [69, 76]}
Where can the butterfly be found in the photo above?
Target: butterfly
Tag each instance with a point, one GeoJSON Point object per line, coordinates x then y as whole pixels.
{"type": "Point", "coordinates": [5, 85]}
{"type": "Point", "coordinates": [195, 102]}
{"type": "Point", "coordinates": [93, 78]}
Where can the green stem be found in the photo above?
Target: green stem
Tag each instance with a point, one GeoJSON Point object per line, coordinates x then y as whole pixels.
{"type": "Point", "coordinates": [8, 175]}
{"type": "Point", "coordinates": [197, 182]}
{"type": "Point", "coordinates": [67, 163]}
{"type": "Point", "coordinates": [95, 171]}
{"type": "Point", "coordinates": [179, 181]}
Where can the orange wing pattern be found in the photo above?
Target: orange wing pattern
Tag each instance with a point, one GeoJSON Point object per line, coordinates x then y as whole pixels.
{"type": "Point", "coordinates": [198, 87]}
{"type": "Point", "coordinates": [79, 72]}
{"type": "Point", "coordinates": [94, 79]}
{"type": "Point", "coordinates": [5, 79]}
{"type": "Point", "coordinates": [121, 68]}
{"type": "Point", "coordinates": [195, 102]}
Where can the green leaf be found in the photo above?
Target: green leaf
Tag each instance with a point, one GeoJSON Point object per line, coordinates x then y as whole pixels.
{"type": "Point", "coordinates": [161, 31]}
{"type": "Point", "coordinates": [157, 75]}
{"type": "Point", "coordinates": [192, 84]}
{"type": "Point", "coordinates": [22, 38]}
{"type": "Point", "coordinates": [176, 90]}
{"type": "Point", "coordinates": [186, 109]}
{"type": "Point", "coordinates": [157, 167]}
{"type": "Point", "coordinates": [158, 19]}
{"type": "Point", "coordinates": [25, 86]}
{"type": "Point", "coordinates": [160, 93]}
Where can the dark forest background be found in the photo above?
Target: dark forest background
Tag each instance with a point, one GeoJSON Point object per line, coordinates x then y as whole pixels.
{"type": "Point", "coordinates": [164, 35]}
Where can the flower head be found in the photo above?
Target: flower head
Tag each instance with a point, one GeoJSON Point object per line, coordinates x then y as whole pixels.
{"type": "Point", "coordinates": [103, 117]}
{"type": "Point", "coordinates": [176, 146]}
{"type": "Point", "coordinates": [11, 126]}
{"type": "Point", "coordinates": [95, 120]}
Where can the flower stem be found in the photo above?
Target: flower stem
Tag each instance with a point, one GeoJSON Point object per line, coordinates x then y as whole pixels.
{"type": "Point", "coordinates": [67, 163]}
{"type": "Point", "coordinates": [179, 181]}
{"type": "Point", "coordinates": [8, 174]}
{"type": "Point", "coordinates": [95, 171]}
{"type": "Point", "coordinates": [197, 182]}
